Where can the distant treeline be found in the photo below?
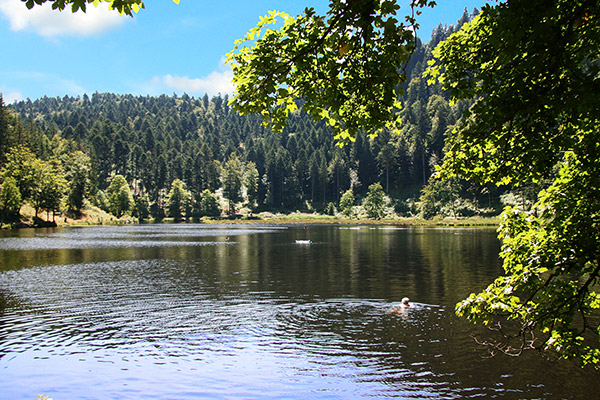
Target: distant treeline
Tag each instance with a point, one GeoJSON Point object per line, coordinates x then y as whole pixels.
{"type": "Point", "coordinates": [200, 146]}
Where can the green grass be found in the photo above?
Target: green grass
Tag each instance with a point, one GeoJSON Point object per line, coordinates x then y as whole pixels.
{"type": "Point", "coordinates": [311, 218]}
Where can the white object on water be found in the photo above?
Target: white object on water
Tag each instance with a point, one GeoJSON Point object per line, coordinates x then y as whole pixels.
{"type": "Point", "coordinates": [303, 241]}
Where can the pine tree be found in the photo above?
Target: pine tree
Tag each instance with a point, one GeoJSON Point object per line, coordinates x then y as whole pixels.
{"type": "Point", "coordinates": [4, 133]}
{"type": "Point", "coordinates": [251, 181]}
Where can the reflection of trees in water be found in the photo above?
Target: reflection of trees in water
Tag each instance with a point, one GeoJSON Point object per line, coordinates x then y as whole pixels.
{"type": "Point", "coordinates": [428, 265]}
{"type": "Point", "coordinates": [458, 261]}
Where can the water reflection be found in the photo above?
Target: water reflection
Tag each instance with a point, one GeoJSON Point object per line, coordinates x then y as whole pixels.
{"type": "Point", "coordinates": [255, 316]}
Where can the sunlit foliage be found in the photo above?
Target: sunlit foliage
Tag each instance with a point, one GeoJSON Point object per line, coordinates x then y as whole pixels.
{"type": "Point", "coordinates": [533, 68]}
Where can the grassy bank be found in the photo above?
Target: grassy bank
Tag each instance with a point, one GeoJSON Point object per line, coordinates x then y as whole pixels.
{"type": "Point", "coordinates": [88, 216]}
{"type": "Point", "coordinates": [96, 216]}
{"type": "Point", "coordinates": [306, 218]}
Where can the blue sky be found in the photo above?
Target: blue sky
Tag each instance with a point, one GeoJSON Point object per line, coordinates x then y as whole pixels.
{"type": "Point", "coordinates": [166, 48]}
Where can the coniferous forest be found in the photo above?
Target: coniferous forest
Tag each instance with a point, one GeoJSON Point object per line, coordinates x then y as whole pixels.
{"type": "Point", "coordinates": [183, 157]}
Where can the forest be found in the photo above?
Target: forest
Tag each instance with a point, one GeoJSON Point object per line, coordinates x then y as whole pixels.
{"type": "Point", "coordinates": [183, 157]}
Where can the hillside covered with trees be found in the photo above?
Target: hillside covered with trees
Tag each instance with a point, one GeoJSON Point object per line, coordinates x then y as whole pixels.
{"type": "Point", "coordinates": [183, 157]}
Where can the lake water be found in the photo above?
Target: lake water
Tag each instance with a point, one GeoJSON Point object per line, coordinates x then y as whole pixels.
{"type": "Point", "coordinates": [244, 312]}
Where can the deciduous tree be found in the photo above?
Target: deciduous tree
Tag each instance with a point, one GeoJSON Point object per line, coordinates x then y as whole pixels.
{"type": "Point", "coordinates": [374, 203]}
{"type": "Point", "coordinates": [346, 66]}
{"type": "Point", "coordinates": [178, 200]}
{"type": "Point", "coordinates": [232, 182]}
{"type": "Point", "coordinates": [347, 202]}
{"type": "Point", "coordinates": [209, 205]}
{"type": "Point", "coordinates": [120, 199]}
{"type": "Point", "coordinates": [122, 6]}
{"type": "Point", "coordinates": [533, 68]}
{"type": "Point", "coordinates": [50, 186]}
{"type": "Point", "coordinates": [21, 165]}
{"type": "Point", "coordinates": [10, 198]}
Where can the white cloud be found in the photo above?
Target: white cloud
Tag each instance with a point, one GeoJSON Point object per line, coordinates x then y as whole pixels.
{"type": "Point", "coordinates": [214, 83]}
{"type": "Point", "coordinates": [50, 23]}
{"type": "Point", "coordinates": [35, 84]}
{"type": "Point", "coordinates": [10, 97]}
{"type": "Point", "coordinates": [66, 86]}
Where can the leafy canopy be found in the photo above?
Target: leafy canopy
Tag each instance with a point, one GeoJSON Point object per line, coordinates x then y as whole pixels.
{"type": "Point", "coordinates": [120, 199]}
{"type": "Point", "coordinates": [533, 68]}
{"type": "Point", "coordinates": [344, 68]}
{"type": "Point", "coordinates": [10, 197]}
{"type": "Point", "coordinates": [232, 181]}
{"type": "Point", "coordinates": [347, 202]}
{"type": "Point", "coordinates": [178, 200]}
{"type": "Point", "coordinates": [127, 7]}
{"type": "Point", "coordinates": [375, 202]}
{"type": "Point", "coordinates": [209, 205]}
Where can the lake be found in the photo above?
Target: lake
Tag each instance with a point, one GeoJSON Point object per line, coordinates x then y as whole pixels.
{"type": "Point", "coordinates": [192, 311]}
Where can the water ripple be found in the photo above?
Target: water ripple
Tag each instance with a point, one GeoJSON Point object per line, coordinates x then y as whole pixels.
{"type": "Point", "coordinates": [101, 310]}
{"type": "Point", "coordinates": [130, 236]}
{"type": "Point", "coordinates": [242, 321]}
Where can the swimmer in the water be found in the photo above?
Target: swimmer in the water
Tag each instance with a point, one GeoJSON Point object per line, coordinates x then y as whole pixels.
{"type": "Point", "coordinates": [403, 307]}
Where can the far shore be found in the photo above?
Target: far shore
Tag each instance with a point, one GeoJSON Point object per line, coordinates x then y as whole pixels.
{"type": "Point", "coordinates": [95, 216]}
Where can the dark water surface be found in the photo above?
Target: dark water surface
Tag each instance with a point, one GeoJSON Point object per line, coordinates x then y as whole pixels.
{"type": "Point", "coordinates": [230, 312]}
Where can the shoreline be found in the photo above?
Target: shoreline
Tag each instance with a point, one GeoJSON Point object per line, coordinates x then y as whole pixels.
{"type": "Point", "coordinates": [294, 219]}
{"type": "Point", "coordinates": [97, 217]}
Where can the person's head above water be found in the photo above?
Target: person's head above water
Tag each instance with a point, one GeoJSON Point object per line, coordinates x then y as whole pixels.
{"type": "Point", "coordinates": [405, 301]}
